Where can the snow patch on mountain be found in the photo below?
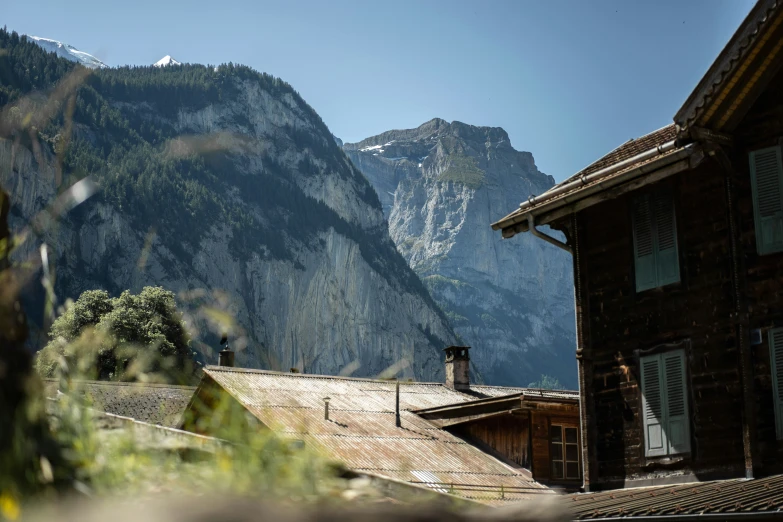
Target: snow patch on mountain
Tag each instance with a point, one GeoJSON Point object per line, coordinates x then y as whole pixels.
{"type": "Point", "coordinates": [166, 60]}
{"type": "Point", "coordinates": [69, 52]}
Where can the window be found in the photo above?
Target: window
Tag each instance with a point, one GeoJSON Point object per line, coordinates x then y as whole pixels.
{"type": "Point", "coordinates": [665, 404]}
{"type": "Point", "coordinates": [776, 363]}
{"type": "Point", "coordinates": [766, 178]}
{"type": "Point", "coordinates": [564, 452]}
{"type": "Point", "coordinates": [655, 241]}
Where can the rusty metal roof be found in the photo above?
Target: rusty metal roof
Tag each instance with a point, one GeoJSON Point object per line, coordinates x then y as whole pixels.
{"type": "Point", "coordinates": [361, 431]}
{"type": "Point", "coordinates": [501, 391]}
{"type": "Point", "coordinates": [161, 404]}
{"type": "Point", "coordinates": [764, 495]}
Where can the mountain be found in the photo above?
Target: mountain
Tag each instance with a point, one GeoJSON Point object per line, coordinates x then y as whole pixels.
{"type": "Point", "coordinates": [63, 50]}
{"type": "Point", "coordinates": [166, 60]}
{"type": "Point", "coordinates": [441, 186]}
{"type": "Point", "coordinates": [223, 185]}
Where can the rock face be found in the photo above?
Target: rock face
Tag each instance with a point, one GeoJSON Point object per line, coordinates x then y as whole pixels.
{"type": "Point", "coordinates": [441, 186]}
{"type": "Point", "coordinates": [330, 296]}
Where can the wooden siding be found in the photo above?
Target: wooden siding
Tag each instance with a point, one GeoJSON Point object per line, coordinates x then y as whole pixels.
{"type": "Point", "coordinates": [699, 309]}
{"type": "Point", "coordinates": [507, 434]}
{"type": "Point", "coordinates": [704, 313]}
{"type": "Point", "coordinates": [763, 275]}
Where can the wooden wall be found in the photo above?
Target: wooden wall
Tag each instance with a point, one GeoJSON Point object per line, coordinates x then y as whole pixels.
{"type": "Point", "coordinates": [698, 308]}
{"type": "Point", "coordinates": [509, 435]}
{"type": "Point", "coordinates": [522, 437]}
{"type": "Point", "coordinates": [763, 275]}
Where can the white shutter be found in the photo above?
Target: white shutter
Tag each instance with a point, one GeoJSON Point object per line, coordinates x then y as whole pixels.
{"type": "Point", "coordinates": [776, 362]}
{"type": "Point", "coordinates": [677, 423]}
{"type": "Point", "coordinates": [653, 407]}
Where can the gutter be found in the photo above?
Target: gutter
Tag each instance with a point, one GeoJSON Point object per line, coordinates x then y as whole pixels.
{"type": "Point", "coordinates": [752, 515]}
{"type": "Point", "coordinates": [645, 168]}
{"type": "Point", "coordinates": [584, 180]}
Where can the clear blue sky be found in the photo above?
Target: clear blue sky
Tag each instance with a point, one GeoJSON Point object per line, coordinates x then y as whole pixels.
{"type": "Point", "coordinates": [569, 80]}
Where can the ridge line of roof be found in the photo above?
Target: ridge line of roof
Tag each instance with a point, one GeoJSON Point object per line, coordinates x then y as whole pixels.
{"type": "Point", "coordinates": [229, 369]}
{"type": "Point", "coordinates": [126, 383]}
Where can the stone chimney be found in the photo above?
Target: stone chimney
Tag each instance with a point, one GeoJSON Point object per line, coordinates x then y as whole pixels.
{"type": "Point", "coordinates": [457, 364]}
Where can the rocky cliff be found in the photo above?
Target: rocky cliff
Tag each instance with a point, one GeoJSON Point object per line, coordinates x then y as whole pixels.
{"type": "Point", "coordinates": [222, 185]}
{"type": "Point", "coordinates": [441, 186]}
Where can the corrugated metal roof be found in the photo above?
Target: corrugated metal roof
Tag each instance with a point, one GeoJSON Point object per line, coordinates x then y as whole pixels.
{"type": "Point", "coordinates": [161, 404]}
{"type": "Point", "coordinates": [361, 430]}
{"type": "Point", "coordinates": [724, 496]}
{"type": "Point", "coordinates": [501, 391]}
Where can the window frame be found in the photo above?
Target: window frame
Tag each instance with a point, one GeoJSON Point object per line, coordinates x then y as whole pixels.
{"type": "Point", "coordinates": [659, 351]}
{"type": "Point", "coordinates": [563, 426]}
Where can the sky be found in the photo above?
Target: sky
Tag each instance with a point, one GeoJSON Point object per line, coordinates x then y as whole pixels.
{"type": "Point", "coordinates": [569, 80]}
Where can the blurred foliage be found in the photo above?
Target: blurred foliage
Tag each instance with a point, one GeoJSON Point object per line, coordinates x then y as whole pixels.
{"type": "Point", "coordinates": [139, 333]}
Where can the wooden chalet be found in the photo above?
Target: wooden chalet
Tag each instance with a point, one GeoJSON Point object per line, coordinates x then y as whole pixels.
{"type": "Point", "coordinates": [677, 243]}
{"type": "Point", "coordinates": [537, 430]}
{"type": "Point", "coordinates": [491, 444]}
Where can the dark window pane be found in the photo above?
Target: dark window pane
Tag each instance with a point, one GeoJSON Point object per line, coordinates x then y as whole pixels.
{"type": "Point", "coordinates": [556, 433]}
{"type": "Point", "coordinates": [572, 470]}
{"type": "Point", "coordinates": [557, 451]}
{"type": "Point", "coordinates": [557, 470]}
{"type": "Point", "coordinates": [570, 434]}
{"type": "Point", "coordinates": [572, 453]}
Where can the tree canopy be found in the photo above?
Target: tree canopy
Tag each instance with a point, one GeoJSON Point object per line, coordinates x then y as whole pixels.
{"type": "Point", "coordinates": [126, 336]}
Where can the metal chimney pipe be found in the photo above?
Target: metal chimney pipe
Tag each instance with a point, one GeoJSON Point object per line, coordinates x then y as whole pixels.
{"type": "Point", "coordinates": [326, 407]}
{"type": "Point", "coordinates": [397, 421]}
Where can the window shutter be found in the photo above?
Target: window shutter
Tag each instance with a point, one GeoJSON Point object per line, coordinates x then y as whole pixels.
{"type": "Point", "coordinates": [643, 244]}
{"type": "Point", "coordinates": [668, 263]}
{"type": "Point", "coordinates": [766, 174]}
{"type": "Point", "coordinates": [677, 423]}
{"type": "Point", "coordinates": [776, 362]}
{"type": "Point", "coordinates": [653, 407]}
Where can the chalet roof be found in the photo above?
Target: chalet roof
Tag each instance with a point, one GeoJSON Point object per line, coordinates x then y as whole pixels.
{"type": "Point", "coordinates": [718, 102]}
{"type": "Point", "coordinates": [362, 432]}
{"type": "Point", "coordinates": [161, 404]}
{"type": "Point", "coordinates": [501, 391]}
{"type": "Point", "coordinates": [737, 496]}
{"type": "Point", "coordinates": [739, 72]}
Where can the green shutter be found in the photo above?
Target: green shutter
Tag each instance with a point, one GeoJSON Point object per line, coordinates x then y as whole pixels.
{"type": "Point", "coordinates": [776, 362]}
{"type": "Point", "coordinates": [677, 423]}
{"type": "Point", "coordinates": [653, 407]}
{"type": "Point", "coordinates": [656, 259]}
{"type": "Point", "coordinates": [644, 244]}
{"type": "Point", "coordinates": [766, 176]}
{"type": "Point", "coordinates": [667, 260]}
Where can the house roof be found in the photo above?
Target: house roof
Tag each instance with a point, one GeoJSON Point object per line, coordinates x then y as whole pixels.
{"type": "Point", "coordinates": [362, 432]}
{"type": "Point", "coordinates": [161, 404]}
{"type": "Point", "coordinates": [502, 391]}
{"type": "Point", "coordinates": [610, 172]}
{"type": "Point", "coordinates": [763, 495]}
{"type": "Point", "coordinates": [718, 102]}
{"type": "Point", "coordinates": [739, 71]}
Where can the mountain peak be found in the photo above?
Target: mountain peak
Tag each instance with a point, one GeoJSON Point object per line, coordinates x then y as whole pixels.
{"type": "Point", "coordinates": [166, 60]}
{"type": "Point", "coordinates": [69, 52]}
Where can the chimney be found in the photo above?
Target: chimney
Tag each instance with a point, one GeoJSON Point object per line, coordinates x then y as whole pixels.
{"type": "Point", "coordinates": [226, 356]}
{"type": "Point", "coordinates": [457, 364]}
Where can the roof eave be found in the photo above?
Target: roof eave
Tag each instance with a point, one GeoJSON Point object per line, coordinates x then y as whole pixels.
{"type": "Point", "coordinates": [546, 212]}
{"type": "Point", "coordinates": [726, 61]}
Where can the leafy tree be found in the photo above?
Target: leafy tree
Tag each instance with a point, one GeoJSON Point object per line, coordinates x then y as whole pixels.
{"type": "Point", "coordinates": [547, 382]}
{"type": "Point", "coordinates": [131, 335]}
